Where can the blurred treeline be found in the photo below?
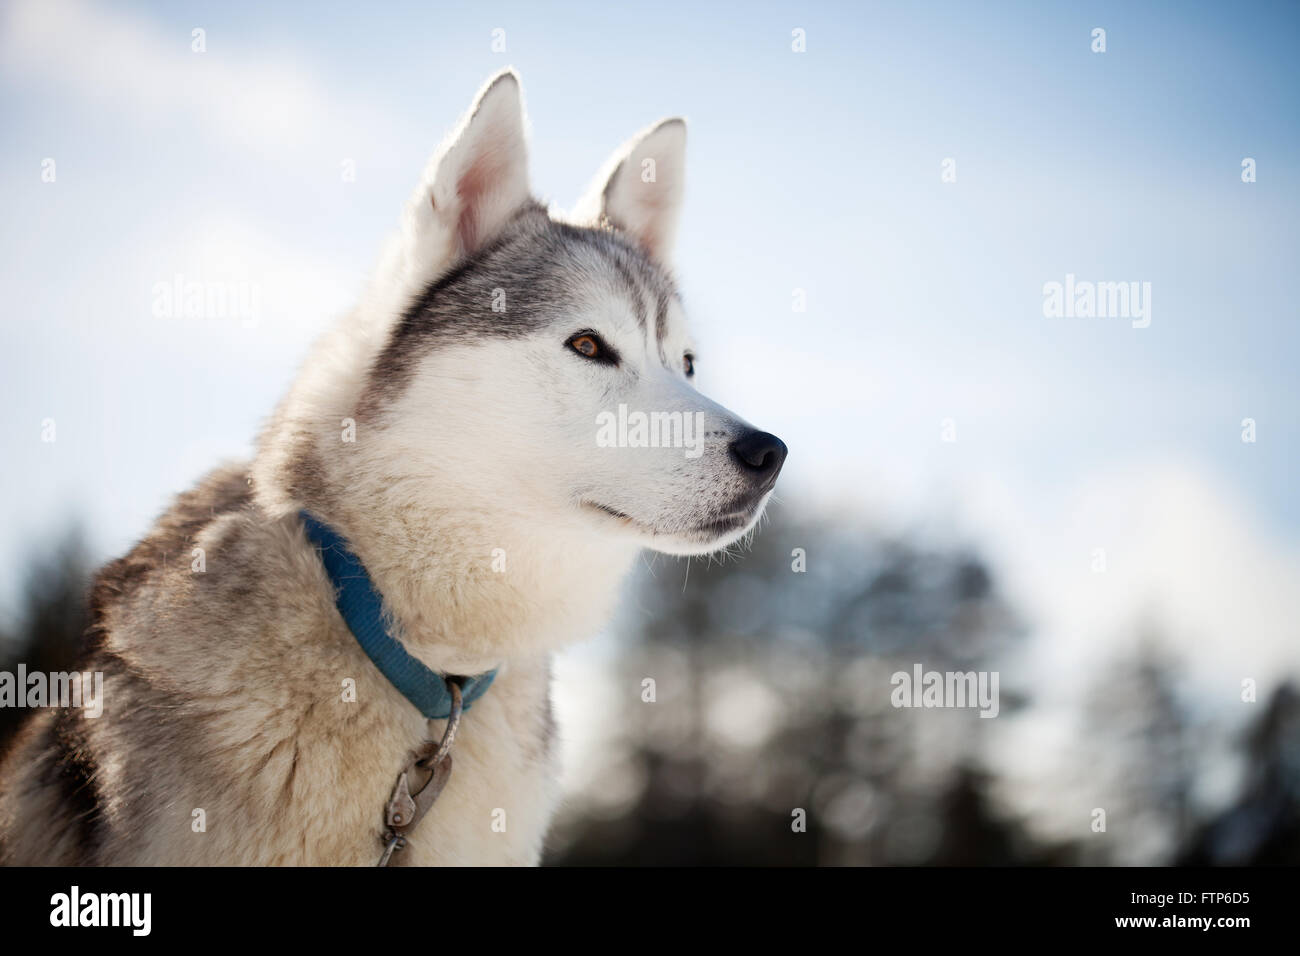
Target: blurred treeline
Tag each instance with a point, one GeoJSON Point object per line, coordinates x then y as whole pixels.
{"type": "Point", "coordinates": [772, 696]}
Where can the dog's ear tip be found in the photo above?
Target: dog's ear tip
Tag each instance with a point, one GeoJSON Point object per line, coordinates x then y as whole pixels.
{"type": "Point", "coordinates": [502, 81]}
{"type": "Point", "coordinates": [670, 127]}
{"type": "Point", "coordinates": [501, 97]}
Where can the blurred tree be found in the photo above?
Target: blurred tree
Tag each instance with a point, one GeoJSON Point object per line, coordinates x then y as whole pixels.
{"type": "Point", "coordinates": [772, 676]}
{"type": "Point", "coordinates": [1137, 755]}
{"type": "Point", "coordinates": [52, 623]}
{"type": "Point", "coordinates": [1262, 826]}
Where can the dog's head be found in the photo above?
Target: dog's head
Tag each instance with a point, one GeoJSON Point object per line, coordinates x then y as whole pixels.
{"type": "Point", "coordinates": [544, 367]}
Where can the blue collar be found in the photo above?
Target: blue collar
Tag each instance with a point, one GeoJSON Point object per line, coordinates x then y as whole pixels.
{"type": "Point", "coordinates": [363, 611]}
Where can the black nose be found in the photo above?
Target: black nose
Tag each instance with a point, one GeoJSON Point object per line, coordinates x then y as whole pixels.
{"type": "Point", "coordinates": [760, 454]}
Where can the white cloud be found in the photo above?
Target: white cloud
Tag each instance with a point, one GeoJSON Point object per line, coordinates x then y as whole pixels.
{"type": "Point", "coordinates": [127, 64]}
{"type": "Point", "coordinates": [295, 294]}
{"type": "Point", "coordinates": [1181, 548]}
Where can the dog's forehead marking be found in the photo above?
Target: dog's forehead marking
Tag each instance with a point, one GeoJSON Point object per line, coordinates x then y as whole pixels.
{"type": "Point", "coordinates": [533, 273]}
{"type": "Point", "coordinates": [649, 292]}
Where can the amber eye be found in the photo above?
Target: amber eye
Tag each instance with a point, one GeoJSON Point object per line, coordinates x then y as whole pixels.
{"type": "Point", "coordinates": [585, 345]}
{"type": "Point", "coordinates": [591, 346]}
{"type": "Point", "coordinates": [688, 364]}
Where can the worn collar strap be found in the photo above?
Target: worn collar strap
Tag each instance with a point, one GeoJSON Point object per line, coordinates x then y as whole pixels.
{"type": "Point", "coordinates": [363, 611]}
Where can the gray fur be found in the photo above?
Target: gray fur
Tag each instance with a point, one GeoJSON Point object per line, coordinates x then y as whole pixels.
{"type": "Point", "coordinates": [543, 267]}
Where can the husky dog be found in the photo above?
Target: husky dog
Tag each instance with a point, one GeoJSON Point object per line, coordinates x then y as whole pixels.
{"type": "Point", "coordinates": [447, 431]}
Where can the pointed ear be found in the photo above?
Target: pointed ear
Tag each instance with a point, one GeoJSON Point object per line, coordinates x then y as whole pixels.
{"type": "Point", "coordinates": [640, 188]}
{"type": "Point", "coordinates": [474, 183]}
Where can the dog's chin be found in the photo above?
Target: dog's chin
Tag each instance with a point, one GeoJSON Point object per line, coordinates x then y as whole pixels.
{"type": "Point", "coordinates": [705, 538]}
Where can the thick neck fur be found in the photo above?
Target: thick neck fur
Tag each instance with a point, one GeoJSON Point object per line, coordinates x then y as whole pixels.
{"type": "Point", "coordinates": [471, 589]}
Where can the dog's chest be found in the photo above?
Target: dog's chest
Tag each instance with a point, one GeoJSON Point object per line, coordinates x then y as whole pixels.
{"type": "Point", "coordinates": [499, 799]}
{"type": "Point", "coordinates": [501, 793]}
{"type": "Point", "coordinates": [313, 792]}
